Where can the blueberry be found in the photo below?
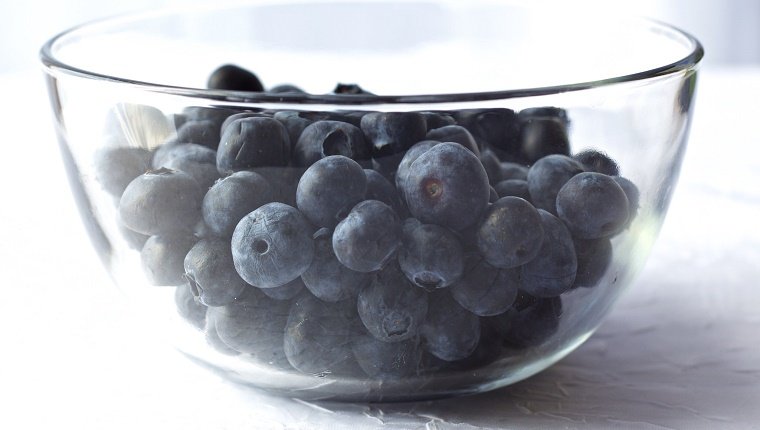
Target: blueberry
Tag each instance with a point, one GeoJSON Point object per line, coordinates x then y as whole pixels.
{"type": "Point", "coordinates": [513, 187]}
{"type": "Point", "coordinates": [211, 273]}
{"type": "Point", "coordinates": [188, 308]}
{"type": "Point", "coordinates": [594, 256]}
{"type": "Point", "coordinates": [386, 360]}
{"type": "Point", "coordinates": [543, 136]}
{"type": "Point", "coordinates": [177, 119]}
{"type": "Point", "coordinates": [469, 239]}
{"type": "Point", "coordinates": [368, 237]}
{"type": "Point", "coordinates": [409, 225]}
{"type": "Point", "coordinates": [134, 239]}
{"type": "Point", "coordinates": [431, 256]}
{"type": "Point", "coordinates": [116, 167]}
{"type": "Point", "coordinates": [283, 182]}
{"type": "Point", "coordinates": [534, 324]}
{"type": "Point", "coordinates": [597, 161]}
{"type": "Point", "coordinates": [161, 201]}
{"type": "Point", "coordinates": [350, 89]}
{"type": "Point", "coordinates": [492, 165]}
{"type": "Point", "coordinates": [196, 160]}
{"type": "Point", "coordinates": [205, 174]}
{"type": "Point", "coordinates": [353, 117]}
{"type": "Point", "coordinates": [213, 339]}
{"type": "Point", "coordinates": [232, 198]}
{"type": "Point", "coordinates": [252, 142]}
{"type": "Point", "coordinates": [456, 134]}
{"type": "Point", "coordinates": [171, 152]}
{"type": "Point", "coordinates": [450, 332]}
{"type": "Point", "coordinates": [240, 115]}
{"type": "Point", "coordinates": [296, 121]}
{"type": "Point", "coordinates": [253, 324]}
{"type": "Point", "coordinates": [163, 256]}
{"type": "Point", "coordinates": [235, 78]}
{"type": "Point", "coordinates": [327, 278]}
{"type": "Point", "coordinates": [438, 119]}
{"type": "Point", "coordinates": [488, 350]}
{"type": "Point", "coordinates": [632, 193]}
{"type": "Point", "coordinates": [204, 133]}
{"type": "Point", "coordinates": [509, 170]}
{"type": "Point", "coordinates": [329, 189]}
{"type": "Point", "coordinates": [592, 205]}
{"type": "Point", "coordinates": [446, 185]}
{"type": "Point", "coordinates": [318, 335]}
{"type": "Point", "coordinates": [406, 161]}
{"type": "Point", "coordinates": [486, 290]}
{"type": "Point", "coordinates": [272, 245]}
{"type": "Point", "coordinates": [379, 188]}
{"type": "Point", "coordinates": [498, 128]}
{"type": "Point", "coordinates": [524, 300]}
{"type": "Point", "coordinates": [216, 115]}
{"type": "Point", "coordinates": [391, 308]}
{"type": "Point", "coordinates": [553, 270]}
{"type": "Point", "coordinates": [286, 89]}
{"type": "Point", "coordinates": [511, 233]}
{"type": "Point", "coordinates": [324, 138]}
{"type": "Point", "coordinates": [391, 134]}
{"type": "Point", "coordinates": [493, 196]}
{"type": "Point", "coordinates": [547, 176]}
{"type": "Point", "coordinates": [285, 292]}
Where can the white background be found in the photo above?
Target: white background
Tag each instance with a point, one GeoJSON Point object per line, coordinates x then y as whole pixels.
{"type": "Point", "coordinates": [679, 350]}
{"type": "Point", "coordinates": [729, 30]}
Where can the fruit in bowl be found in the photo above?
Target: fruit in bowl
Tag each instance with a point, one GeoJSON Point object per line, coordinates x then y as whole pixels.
{"type": "Point", "coordinates": [373, 242]}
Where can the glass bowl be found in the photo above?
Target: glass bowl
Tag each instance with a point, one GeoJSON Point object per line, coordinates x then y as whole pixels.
{"type": "Point", "coordinates": [381, 273]}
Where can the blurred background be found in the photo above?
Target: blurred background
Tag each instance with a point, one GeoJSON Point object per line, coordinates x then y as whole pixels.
{"type": "Point", "coordinates": [730, 31]}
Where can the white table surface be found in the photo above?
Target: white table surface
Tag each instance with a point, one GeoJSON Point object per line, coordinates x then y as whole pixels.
{"type": "Point", "coordinates": [680, 350]}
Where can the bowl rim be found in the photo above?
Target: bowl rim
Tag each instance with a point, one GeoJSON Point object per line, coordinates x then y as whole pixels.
{"type": "Point", "coordinates": [51, 62]}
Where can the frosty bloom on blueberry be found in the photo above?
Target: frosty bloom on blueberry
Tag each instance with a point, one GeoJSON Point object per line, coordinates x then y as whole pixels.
{"type": "Point", "coordinates": [326, 277]}
{"type": "Point", "coordinates": [252, 142]}
{"type": "Point", "coordinates": [592, 205]}
{"type": "Point", "coordinates": [431, 256]}
{"type": "Point", "coordinates": [391, 134]}
{"type": "Point", "coordinates": [367, 238]}
{"type": "Point", "coordinates": [211, 274]}
{"type": "Point", "coordinates": [546, 178]}
{"type": "Point", "coordinates": [446, 185]}
{"type": "Point", "coordinates": [232, 198]}
{"type": "Point", "coordinates": [451, 333]}
{"type": "Point", "coordinates": [161, 201]}
{"type": "Point", "coordinates": [272, 245]}
{"type": "Point", "coordinates": [511, 233]}
{"type": "Point", "coordinates": [553, 270]}
{"type": "Point", "coordinates": [324, 138]}
{"type": "Point", "coordinates": [329, 189]}
{"type": "Point", "coordinates": [283, 231]}
{"type": "Point", "coordinates": [391, 308]}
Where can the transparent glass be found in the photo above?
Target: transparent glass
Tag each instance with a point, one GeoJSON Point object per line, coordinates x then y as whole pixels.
{"type": "Point", "coordinates": [618, 85]}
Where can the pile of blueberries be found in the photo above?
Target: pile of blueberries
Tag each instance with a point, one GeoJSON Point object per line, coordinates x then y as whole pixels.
{"type": "Point", "coordinates": [369, 244]}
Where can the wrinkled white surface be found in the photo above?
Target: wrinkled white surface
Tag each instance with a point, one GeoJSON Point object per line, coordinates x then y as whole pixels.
{"type": "Point", "coordinates": [680, 350]}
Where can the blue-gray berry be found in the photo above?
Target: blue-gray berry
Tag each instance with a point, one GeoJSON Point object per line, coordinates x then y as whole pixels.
{"type": "Point", "coordinates": [272, 245]}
